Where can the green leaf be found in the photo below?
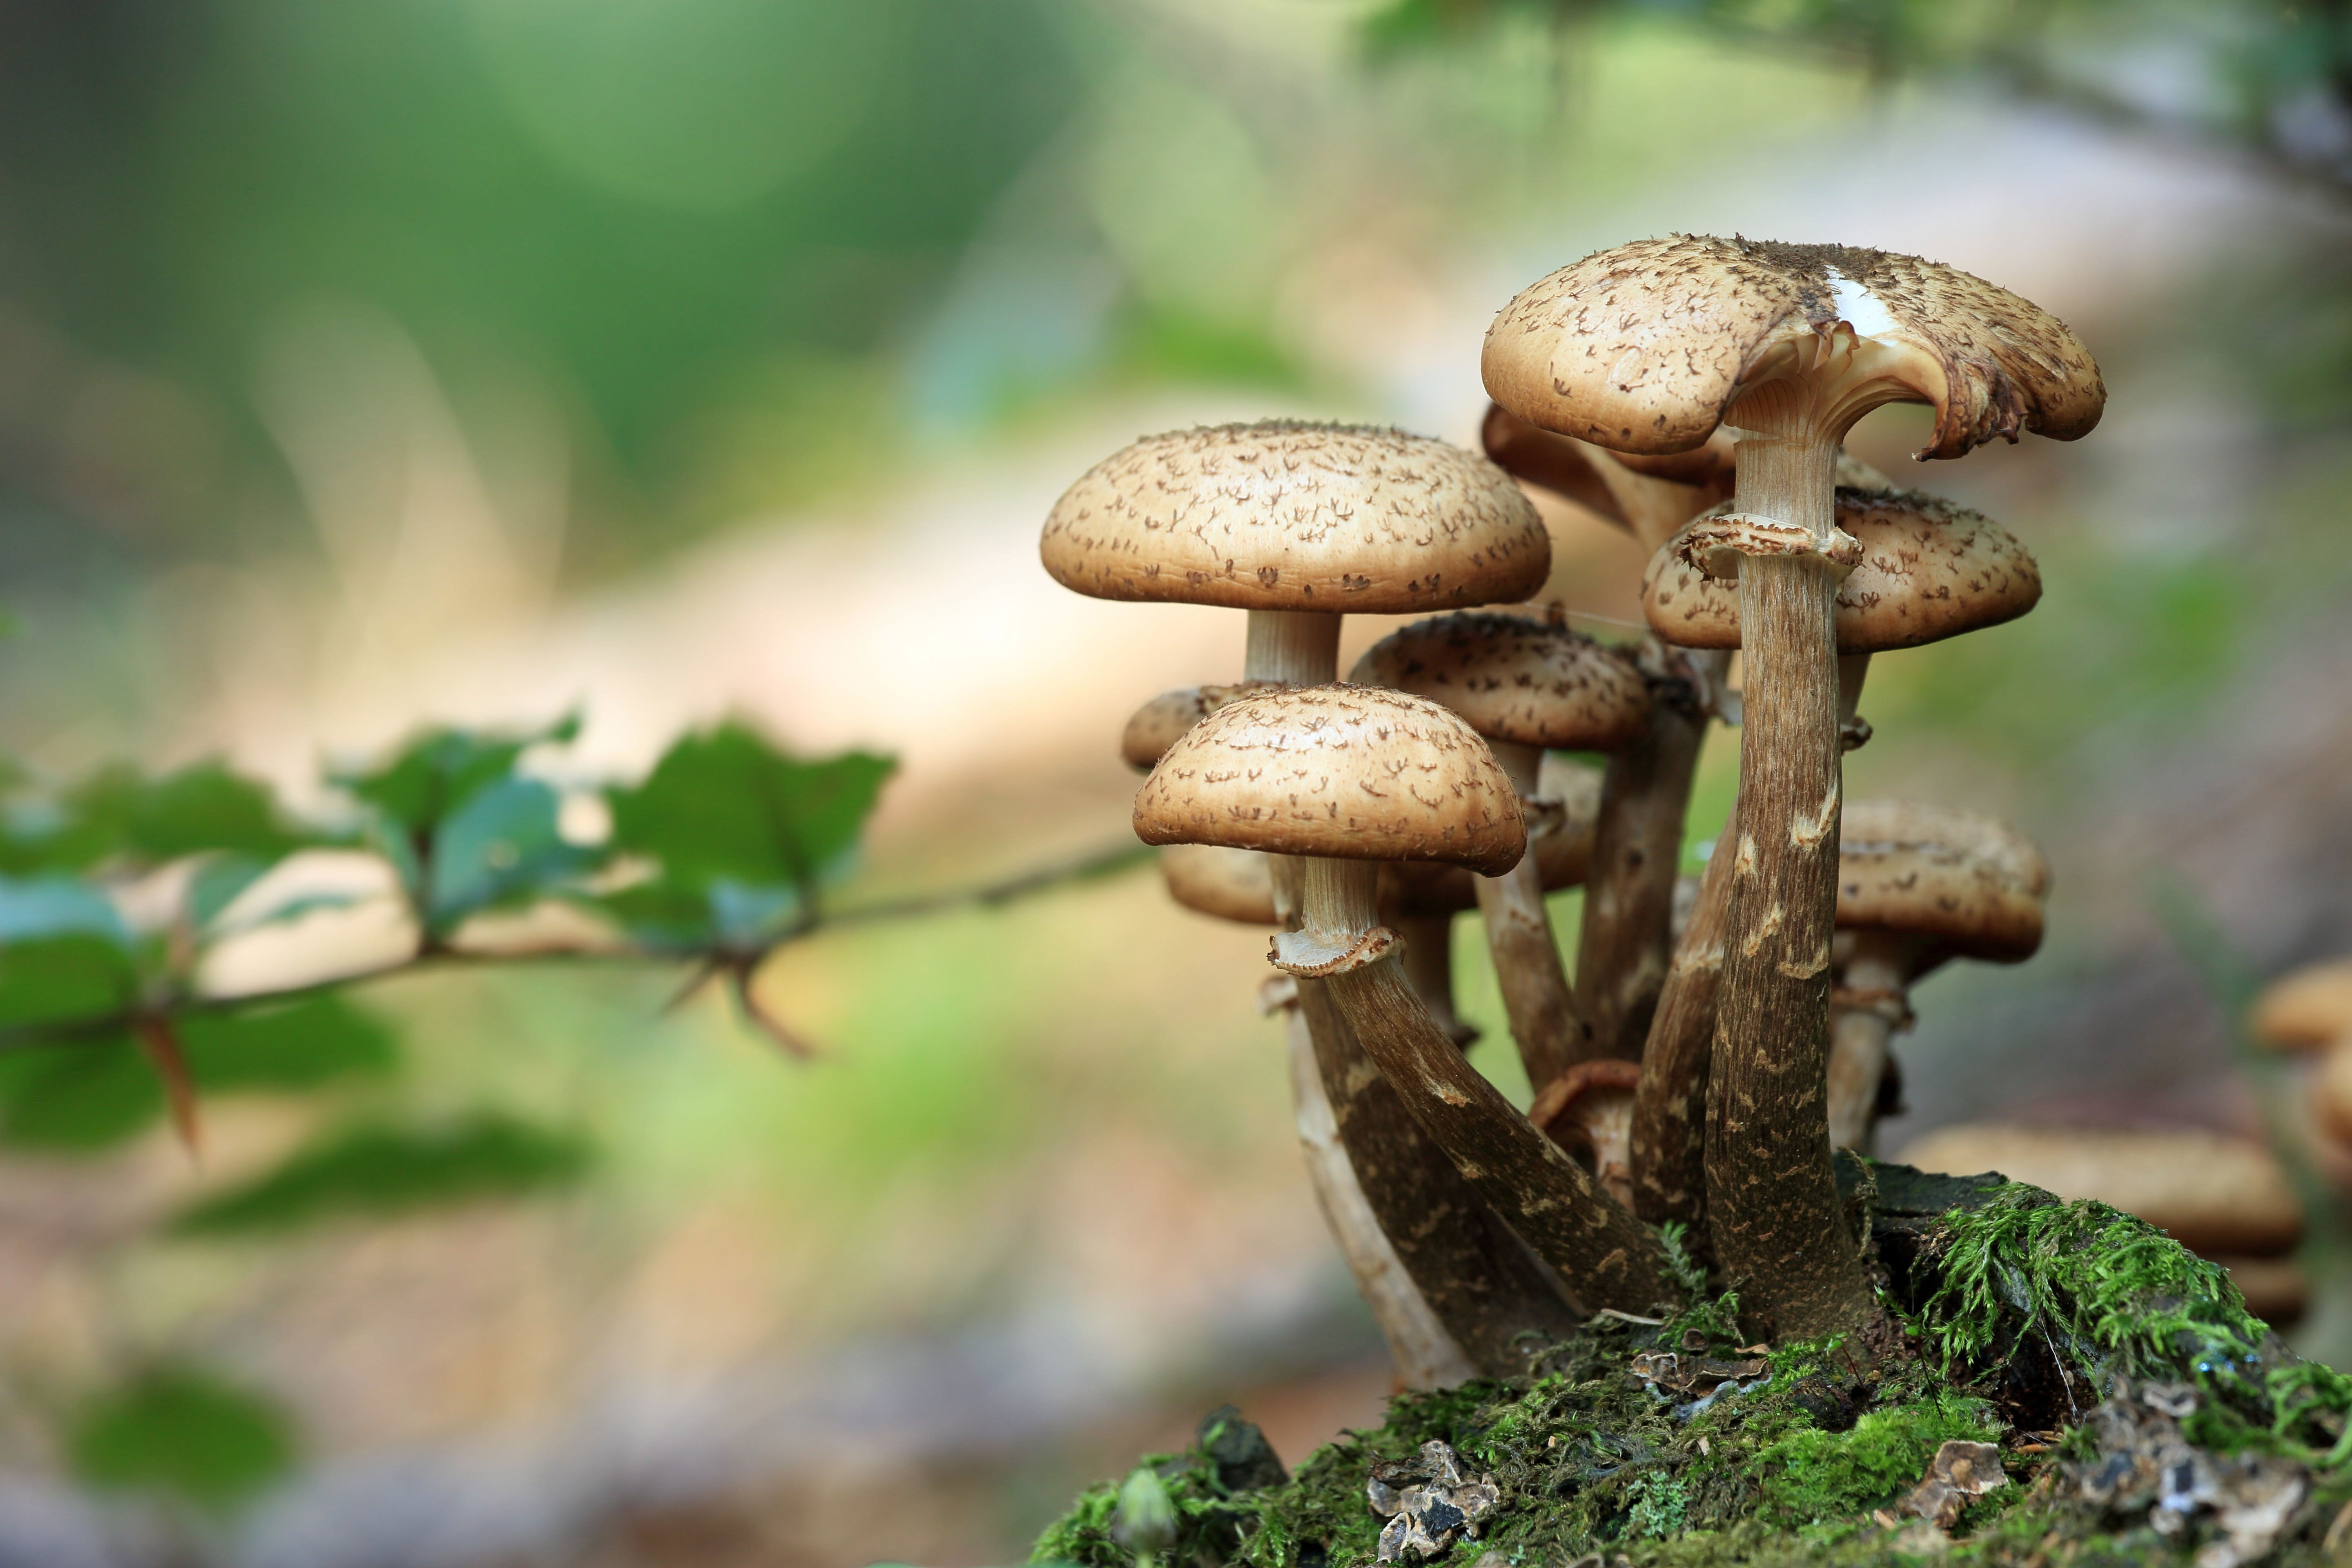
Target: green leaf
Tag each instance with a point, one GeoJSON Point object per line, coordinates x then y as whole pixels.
{"type": "Point", "coordinates": [78, 1097]}
{"type": "Point", "coordinates": [440, 770]}
{"type": "Point", "coordinates": [202, 807]}
{"type": "Point", "coordinates": [182, 1430]}
{"type": "Point", "coordinates": [501, 848]}
{"type": "Point", "coordinates": [744, 833]}
{"type": "Point", "coordinates": [64, 951]}
{"type": "Point", "coordinates": [298, 1044]}
{"type": "Point", "coordinates": [391, 1171]}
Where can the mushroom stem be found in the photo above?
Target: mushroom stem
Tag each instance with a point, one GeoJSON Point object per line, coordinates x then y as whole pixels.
{"type": "Point", "coordinates": [1623, 947]}
{"type": "Point", "coordinates": [1773, 1209]}
{"type": "Point", "coordinates": [1301, 646]}
{"type": "Point", "coordinates": [1669, 1126]}
{"type": "Point", "coordinates": [1537, 999]}
{"type": "Point", "coordinates": [1428, 967]}
{"type": "Point", "coordinates": [1852, 669]}
{"type": "Point", "coordinates": [1426, 1355]}
{"type": "Point", "coordinates": [1606, 1257]}
{"type": "Point", "coordinates": [1872, 1001]}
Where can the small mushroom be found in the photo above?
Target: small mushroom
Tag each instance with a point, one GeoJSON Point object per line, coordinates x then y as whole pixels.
{"type": "Point", "coordinates": [1153, 728]}
{"type": "Point", "coordinates": [1588, 1111]}
{"type": "Point", "coordinates": [1228, 884]}
{"type": "Point", "coordinates": [1918, 885]}
{"type": "Point", "coordinates": [2305, 1010]}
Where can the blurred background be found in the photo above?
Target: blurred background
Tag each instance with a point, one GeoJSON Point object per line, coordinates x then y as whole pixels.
{"type": "Point", "coordinates": [474, 361]}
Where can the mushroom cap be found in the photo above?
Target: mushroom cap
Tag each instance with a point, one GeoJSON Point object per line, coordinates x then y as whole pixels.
{"type": "Point", "coordinates": [1930, 569]}
{"type": "Point", "coordinates": [1516, 679]}
{"type": "Point", "coordinates": [1351, 772]}
{"type": "Point", "coordinates": [2306, 1009]}
{"type": "Point", "coordinates": [1969, 883]}
{"type": "Point", "coordinates": [1153, 728]}
{"type": "Point", "coordinates": [1557, 463]}
{"type": "Point", "coordinates": [1563, 855]}
{"type": "Point", "coordinates": [1231, 884]}
{"type": "Point", "coordinates": [1645, 348]}
{"type": "Point", "coordinates": [2211, 1192]}
{"type": "Point", "coordinates": [1289, 516]}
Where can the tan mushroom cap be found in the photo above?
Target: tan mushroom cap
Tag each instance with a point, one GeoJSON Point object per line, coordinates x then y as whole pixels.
{"type": "Point", "coordinates": [1349, 772]}
{"type": "Point", "coordinates": [1516, 679]}
{"type": "Point", "coordinates": [1645, 348]}
{"type": "Point", "coordinates": [1930, 569]}
{"type": "Point", "coordinates": [2307, 1009]}
{"type": "Point", "coordinates": [1231, 884]}
{"type": "Point", "coordinates": [2331, 1092]}
{"type": "Point", "coordinates": [2210, 1193]}
{"type": "Point", "coordinates": [1285, 515]}
{"type": "Point", "coordinates": [1969, 882]}
{"type": "Point", "coordinates": [1153, 728]}
{"type": "Point", "coordinates": [1563, 852]}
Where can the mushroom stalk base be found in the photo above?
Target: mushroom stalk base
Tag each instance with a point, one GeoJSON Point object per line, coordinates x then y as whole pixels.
{"type": "Point", "coordinates": [1670, 1102]}
{"type": "Point", "coordinates": [1623, 947]}
{"type": "Point", "coordinates": [1426, 1355]}
{"type": "Point", "coordinates": [1604, 1256]}
{"type": "Point", "coordinates": [1879, 973]}
{"type": "Point", "coordinates": [1537, 999]}
{"type": "Point", "coordinates": [1773, 1210]}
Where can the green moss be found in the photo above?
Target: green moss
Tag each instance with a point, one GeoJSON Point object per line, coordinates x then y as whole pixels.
{"type": "Point", "coordinates": [1811, 1477]}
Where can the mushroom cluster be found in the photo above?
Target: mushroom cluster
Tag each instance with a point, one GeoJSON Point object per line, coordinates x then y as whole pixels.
{"type": "Point", "coordinates": [1697, 1059]}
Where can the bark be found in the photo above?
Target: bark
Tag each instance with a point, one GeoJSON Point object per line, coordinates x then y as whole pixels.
{"type": "Point", "coordinates": [1624, 947]}
{"type": "Point", "coordinates": [1604, 1256]}
{"type": "Point", "coordinates": [1670, 1103]}
{"type": "Point", "coordinates": [1537, 999]}
{"type": "Point", "coordinates": [1773, 1213]}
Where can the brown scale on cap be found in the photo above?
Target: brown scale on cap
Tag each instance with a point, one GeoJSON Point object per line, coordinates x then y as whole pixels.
{"type": "Point", "coordinates": [1155, 726]}
{"type": "Point", "coordinates": [2213, 1194]}
{"type": "Point", "coordinates": [1286, 516]}
{"type": "Point", "coordinates": [1516, 679]}
{"type": "Point", "coordinates": [1645, 347]}
{"type": "Point", "coordinates": [1337, 771]}
{"type": "Point", "coordinates": [1930, 569]}
{"type": "Point", "coordinates": [1970, 885]}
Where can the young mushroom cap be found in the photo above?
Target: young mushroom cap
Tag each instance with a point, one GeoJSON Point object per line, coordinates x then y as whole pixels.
{"type": "Point", "coordinates": [1153, 728]}
{"type": "Point", "coordinates": [2306, 1009]}
{"type": "Point", "coordinates": [2211, 1194]}
{"type": "Point", "coordinates": [1929, 570]}
{"type": "Point", "coordinates": [1211, 880]}
{"type": "Point", "coordinates": [1289, 516]}
{"type": "Point", "coordinates": [1644, 348]}
{"type": "Point", "coordinates": [1516, 679]}
{"type": "Point", "coordinates": [1968, 884]}
{"type": "Point", "coordinates": [1351, 773]}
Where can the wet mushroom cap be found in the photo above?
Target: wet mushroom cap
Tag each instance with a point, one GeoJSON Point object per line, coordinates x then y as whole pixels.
{"type": "Point", "coordinates": [1929, 570]}
{"type": "Point", "coordinates": [1289, 516]}
{"type": "Point", "coordinates": [1516, 679]}
{"type": "Point", "coordinates": [1343, 772]}
{"type": "Point", "coordinates": [1645, 347]}
{"type": "Point", "coordinates": [1970, 882]}
{"type": "Point", "coordinates": [1153, 728]}
{"type": "Point", "coordinates": [2307, 1009]}
{"type": "Point", "coordinates": [2210, 1192]}
{"type": "Point", "coordinates": [1231, 884]}
{"type": "Point", "coordinates": [1563, 852]}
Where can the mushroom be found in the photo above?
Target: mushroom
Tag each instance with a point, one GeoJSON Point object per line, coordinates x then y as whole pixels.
{"type": "Point", "coordinates": [1230, 884]}
{"type": "Point", "coordinates": [1297, 524]}
{"type": "Point", "coordinates": [1527, 686]}
{"type": "Point", "coordinates": [1669, 1143]}
{"type": "Point", "coordinates": [1918, 885]}
{"type": "Point", "coordinates": [2226, 1198]}
{"type": "Point", "coordinates": [1346, 777]}
{"type": "Point", "coordinates": [1648, 349]}
{"type": "Point", "coordinates": [1588, 1111]}
{"type": "Point", "coordinates": [2306, 1009]}
{"type": "Point", "coordinates": [1153, 727]}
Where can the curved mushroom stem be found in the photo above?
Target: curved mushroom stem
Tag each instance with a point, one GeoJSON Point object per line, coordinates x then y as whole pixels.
{"type": "Point", "coordinates": [1871, 1002]}
{"type": "Point", "coordinates": [1621, 950]}
{"type": "Point", "coordinates": [1853, 729]}
{"type": "Point", "coordinates": [1670, 1102]}
{"type": "Point", "coordinates": [1429, 967]}
{"type": "Point", "coordinates": [1604, 1256]}
{"type": "Point", "coordinates": [1773, 1208]}
{"type": "Point", "coordinates": [1550, 1035]}
{"type": "Point", "coordinates": [1426, 1355]}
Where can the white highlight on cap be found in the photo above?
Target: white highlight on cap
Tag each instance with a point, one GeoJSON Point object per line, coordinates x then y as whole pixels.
{"type": "Point", "coordinates": [1858, 307]}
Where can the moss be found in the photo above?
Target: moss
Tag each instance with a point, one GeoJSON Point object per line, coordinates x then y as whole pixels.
{"type": "Point", "coordinates": [1811, 1477]}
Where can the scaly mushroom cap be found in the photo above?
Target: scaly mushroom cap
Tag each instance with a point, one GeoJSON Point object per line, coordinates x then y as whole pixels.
{"type": "Point", "coordinates": [1285, 515]}
{"type": "Point", "coordinates": [1231, 884]}
{"type": "Point", "coordinates": [1153, 728]}
{"type": "Point", "coordinates": [1563, 851]}
{"type": "Point", "coordinates": [1351, 773]}
{"type": "Point", "coordinates": [1930, 569]}
{"type": "Point", "coordinates": [1515, 679]}
{"type": "Point", "coordinates": [2307, 1009]}
{"type": "Point", "coordinates": [1645, 348]}
{"type": "Point", "coordinates": [2211, 1193]}
{"type": "Point", "coordinates": [1970, 884]}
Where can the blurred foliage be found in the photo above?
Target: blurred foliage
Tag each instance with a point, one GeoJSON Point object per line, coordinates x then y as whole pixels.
{"type": "Point", "coordinates": [182, 1430]}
